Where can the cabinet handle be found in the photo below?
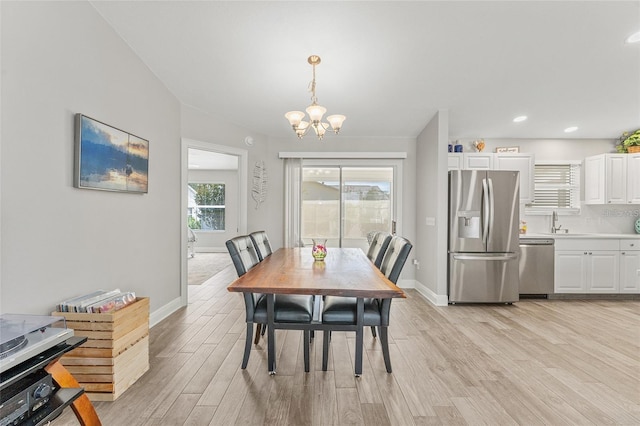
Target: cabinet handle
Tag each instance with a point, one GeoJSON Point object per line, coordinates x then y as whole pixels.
{"type": "Point", "coordinates": [632, 244]}
{"type": "Point", "coordinates": [590, 253]}
{"type": "Point", "coordinates": [622, 253]}
{"type": "Point", "coordinates": [585, 252]}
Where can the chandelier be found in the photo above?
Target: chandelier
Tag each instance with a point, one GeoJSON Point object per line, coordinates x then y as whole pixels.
{"type": "Point", "coordinates": [315, 111]}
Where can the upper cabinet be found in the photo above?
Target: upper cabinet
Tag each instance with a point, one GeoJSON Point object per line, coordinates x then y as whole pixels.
{"type": "Point", "coordinates": [612, 179]}
{"type": "Point", "coordinates": [521, 162]}
{"type": "Point", "coordinates": [525, 164]}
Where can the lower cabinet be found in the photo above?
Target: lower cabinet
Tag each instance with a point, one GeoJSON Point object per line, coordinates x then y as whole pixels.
{"type": "Point", "coordinates": [587, 271]}
{"type": "Point", "coordinates": [630, 271]}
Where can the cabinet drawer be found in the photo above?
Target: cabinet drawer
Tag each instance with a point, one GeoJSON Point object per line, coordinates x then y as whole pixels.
{"type": "Point", "coordinates": [629, 244]}
{"type": "Point", "coordinates": [587, 244]}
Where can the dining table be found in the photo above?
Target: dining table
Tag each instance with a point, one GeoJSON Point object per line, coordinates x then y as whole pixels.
{"type": "Point", "coordinates": [343, 272]}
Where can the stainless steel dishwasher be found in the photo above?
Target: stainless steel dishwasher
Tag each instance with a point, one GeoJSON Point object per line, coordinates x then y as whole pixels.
{"type": "Point", "coordinates": [536, 267]}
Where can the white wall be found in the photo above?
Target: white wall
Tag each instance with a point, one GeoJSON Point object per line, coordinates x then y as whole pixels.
{"type": "Point", "coordinates": [214, 241]}
{"type": "Point", "coordinates": [431, 209]}
{"type": "Point", "coordinates": [58, 59]}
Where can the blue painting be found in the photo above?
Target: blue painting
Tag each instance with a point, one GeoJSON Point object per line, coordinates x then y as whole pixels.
{"type": "Point", "coordinates": [110, 159]}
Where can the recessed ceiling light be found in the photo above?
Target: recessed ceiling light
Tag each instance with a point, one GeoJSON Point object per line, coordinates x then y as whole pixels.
{"type": "Point", "coordinates": [520, 118]}
{"type": "Point", "coordinates": [634, 38]}
{"type": "Point", "coordinates": [570, 129]}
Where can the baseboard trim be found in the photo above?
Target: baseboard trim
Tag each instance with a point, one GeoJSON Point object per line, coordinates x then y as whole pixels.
{"type": "Point", "coordinates": [427, 293]}
{"type": "Point", "coordinates": [159, 314]}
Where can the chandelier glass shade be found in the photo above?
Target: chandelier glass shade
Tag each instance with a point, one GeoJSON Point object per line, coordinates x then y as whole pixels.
{"type": "Point", "coordinates": [314, 111]}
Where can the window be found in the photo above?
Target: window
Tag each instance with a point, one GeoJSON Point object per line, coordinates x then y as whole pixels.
{"type": "Point", "coordinates": [206, 209]}
{"type": "Point", "coordinates": [557, 186]}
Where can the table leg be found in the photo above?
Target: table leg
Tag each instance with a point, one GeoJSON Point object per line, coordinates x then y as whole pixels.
{"type": "Point", "coordinates": [271, 335]}
{"type": "Point", "coordinates": [359, 334]}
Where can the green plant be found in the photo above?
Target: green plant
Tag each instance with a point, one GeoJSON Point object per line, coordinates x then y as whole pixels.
{"type": "Point", "coordinates": [628, 139]}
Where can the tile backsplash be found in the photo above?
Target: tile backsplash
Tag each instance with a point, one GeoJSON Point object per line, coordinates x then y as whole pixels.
{"type": "Point", "coordinates": [606, 219]}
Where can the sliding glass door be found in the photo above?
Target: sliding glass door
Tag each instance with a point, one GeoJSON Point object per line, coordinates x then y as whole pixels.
{"type": "Point", "coordinates": [344, 204]}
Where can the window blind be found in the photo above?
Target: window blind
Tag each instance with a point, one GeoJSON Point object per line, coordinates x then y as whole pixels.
{"type": "Point", "coordinates": [557, 186]}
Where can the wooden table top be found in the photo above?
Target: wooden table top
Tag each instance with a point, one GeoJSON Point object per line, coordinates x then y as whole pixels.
{"type": "Point", "coordinates": [344, 272]}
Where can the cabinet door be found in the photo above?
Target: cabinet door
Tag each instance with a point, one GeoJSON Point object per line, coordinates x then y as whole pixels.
{"type": "Point", "coordinates": [603, 272]}
{"type": "Point", "coordinates": [478, 161]}
{"type": "Point", "coordinates": [569, 271]}
{"type": "Point", "coordinates": [594, 185]}
{"type": "Point", "coordinates": [630, 272]}
{"type": "Point", "coordinates": [616, 178]}
{"type": "Point", "coordinates": [633, 178]}
{"type": "Point", "coordinates": [524, 163]}
{"type": "Point", "coordinates": [454, 161]}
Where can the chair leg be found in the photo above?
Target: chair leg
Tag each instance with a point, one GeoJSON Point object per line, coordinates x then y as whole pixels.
{"type": "Point", "coordinates": [259, 332]}
{"type": "Point", "coordinates": [384, 340]}
{"type": "Point", "coordinates": [247, 345]}
{"type": "Point", "coordinates": [373, 332]}
{"type": "Point", "coordinates": [326, 334]}
{"type": "Point", "coordinates": [307, 341]}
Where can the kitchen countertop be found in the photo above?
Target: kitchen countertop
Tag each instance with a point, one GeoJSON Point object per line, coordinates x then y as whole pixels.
{"type": "Point", "coordinates": [579, 235]}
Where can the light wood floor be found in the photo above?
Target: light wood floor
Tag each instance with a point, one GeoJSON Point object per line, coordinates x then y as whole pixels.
{"type": "Point", "coordinates": [535, 362]}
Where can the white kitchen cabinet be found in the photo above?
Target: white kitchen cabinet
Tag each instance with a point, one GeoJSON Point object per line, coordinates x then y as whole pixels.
{"type": "Point", "coordinates": [570, 272]}
{"type": "Point", "coordinates": [603, 269]}
{"type": "Point", "coordinates": [587, 266]}
{"type": "Point", "coordinates": [524, 163]}
{"type": "Point", "coordinates": [612, 179]}
{"type": "Point", "coordinates": [521, 162]}
{"type": "Point", "coordinates": [454, 161]}
{"type": "Point", "coordinates": [633, 178]}
{"type": "Point", "coordinates": [594, 185]}
{"type": "Point", "coordinates": [477, 161]}
{"type": "Point", "coordinates": [629, 266]}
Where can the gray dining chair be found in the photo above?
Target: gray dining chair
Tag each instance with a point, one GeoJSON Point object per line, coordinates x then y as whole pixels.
{"type": "Point", "coordinates": [287, 308]}
{"type": "Point", "coordinates": [378, 247]}
{"type": "Point", "coordinates": [261, 243]}
{"type": "Point", "coordinates": [343, 310]}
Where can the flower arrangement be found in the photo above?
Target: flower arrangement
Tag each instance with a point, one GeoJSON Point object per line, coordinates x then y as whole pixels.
{"type": "Point", "coordinates": [319, 250]}
{"type": "Point", "coordinates": [628, 141]}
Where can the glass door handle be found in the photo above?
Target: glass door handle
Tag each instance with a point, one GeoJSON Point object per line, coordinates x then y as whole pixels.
{"type": "Point", "coordinates": [393, 227]}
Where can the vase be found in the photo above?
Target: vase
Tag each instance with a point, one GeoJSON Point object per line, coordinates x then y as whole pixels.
{"type": "Point", "coordinates": [319, 250]}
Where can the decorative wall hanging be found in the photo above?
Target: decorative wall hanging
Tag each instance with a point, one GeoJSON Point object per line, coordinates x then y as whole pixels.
{"type": "Point", "coordinates": [109, 159]}
{"type": "Point", "coordinates": [259, 189]}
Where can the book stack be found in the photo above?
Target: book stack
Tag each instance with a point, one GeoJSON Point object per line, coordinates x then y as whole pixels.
{"type": "Point", "coordinates": [98, 302]}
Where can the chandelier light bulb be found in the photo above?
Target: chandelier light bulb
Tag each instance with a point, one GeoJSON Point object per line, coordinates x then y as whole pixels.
{"type": "Point", "coordinates": [294, 117]}
{"type": "Point", "coordinates": [314, 111]}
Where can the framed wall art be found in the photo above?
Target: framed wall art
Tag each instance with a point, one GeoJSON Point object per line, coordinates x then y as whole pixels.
{"type": "Point", "coordinates": [109, 159]}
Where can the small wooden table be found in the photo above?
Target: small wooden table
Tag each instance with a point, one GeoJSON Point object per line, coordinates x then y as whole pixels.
{"type": "Point", "coordinates": [344, 272]}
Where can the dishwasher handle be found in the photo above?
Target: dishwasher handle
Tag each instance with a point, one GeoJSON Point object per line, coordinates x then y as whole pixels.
{"type": "Point", "coordinates": [548, 242]}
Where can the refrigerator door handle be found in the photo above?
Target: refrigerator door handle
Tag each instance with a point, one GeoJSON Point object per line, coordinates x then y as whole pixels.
{"type": "Point", "coordinates": [485, 210]}
{"type": "Point", "coordinates": [502, 256]}
{"type": "Point", "coordinates": [491, 208]}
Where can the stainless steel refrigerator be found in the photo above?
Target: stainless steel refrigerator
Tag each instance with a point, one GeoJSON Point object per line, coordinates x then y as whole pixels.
{"type": "Point", "coordinates": [484, 216]}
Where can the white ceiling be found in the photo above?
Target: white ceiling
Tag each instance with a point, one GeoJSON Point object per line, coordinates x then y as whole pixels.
{"type": "Point", "coordinates": [389, 66]}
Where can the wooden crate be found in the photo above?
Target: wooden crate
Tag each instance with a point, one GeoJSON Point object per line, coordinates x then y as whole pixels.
{"type": "Point", "coordinates": [116, 353]}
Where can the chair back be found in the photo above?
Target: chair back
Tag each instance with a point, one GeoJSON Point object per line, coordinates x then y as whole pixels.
{"type": "Point", "coordinates": [261, 243]}
{"type": "Point", "coordinates": [378, 247]}
{"type": "Point", "coordinates": [243, 253]}
{"type": "Point", "coordinates": [395, 257]}
{"type": "Point", "coordinates": [244, 256]}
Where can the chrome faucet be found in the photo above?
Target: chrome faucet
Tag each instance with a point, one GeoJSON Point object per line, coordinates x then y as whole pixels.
{"type": "Point", "coordinates": [554, 218]}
